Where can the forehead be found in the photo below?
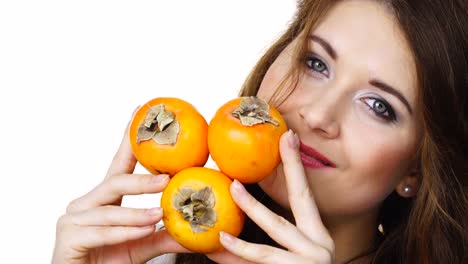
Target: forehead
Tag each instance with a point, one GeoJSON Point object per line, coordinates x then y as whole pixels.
{"type": "Point", "coordinates": [366, 35]}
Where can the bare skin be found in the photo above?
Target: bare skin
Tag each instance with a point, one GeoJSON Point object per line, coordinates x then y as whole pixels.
{"type": "Point", "coordinates": [338, 110]}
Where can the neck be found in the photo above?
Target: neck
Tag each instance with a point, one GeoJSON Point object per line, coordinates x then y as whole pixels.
{"type": "Point", "coordinates": [354, 237]}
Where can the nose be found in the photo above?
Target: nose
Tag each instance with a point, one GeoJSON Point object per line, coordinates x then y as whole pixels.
{"type": "Point", "coordinates": [320, 117]}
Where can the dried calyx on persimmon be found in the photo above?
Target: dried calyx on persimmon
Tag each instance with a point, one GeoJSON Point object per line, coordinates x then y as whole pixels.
{"type": "Point", "coordinates": [196, 207]}
{"type": "Point", "coordinates": [159, 125]}
{"type": "Point", "coordinates": [253, 110]}
{"type": "Point", "coordinates": [168, 135]}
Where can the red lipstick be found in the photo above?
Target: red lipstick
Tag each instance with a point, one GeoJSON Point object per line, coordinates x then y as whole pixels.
{"type": "Point", "coordinates": [311, 158]}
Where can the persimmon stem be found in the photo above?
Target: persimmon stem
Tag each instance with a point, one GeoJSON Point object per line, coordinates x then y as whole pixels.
{"type": "Point", "coordinates": [159, 125]}
{"type": "Point", "coordinates": [196, 207]}
{"type": "Point", "coordinates": [253, 110]}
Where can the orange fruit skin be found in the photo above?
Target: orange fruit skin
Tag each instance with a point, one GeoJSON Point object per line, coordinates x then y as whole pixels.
{"type": "Point", "coordinates": [229, 217]}
{"type": "Point", "coordinates": [248, 154]}
{"type": "Point", "coordinates": [191, 148]}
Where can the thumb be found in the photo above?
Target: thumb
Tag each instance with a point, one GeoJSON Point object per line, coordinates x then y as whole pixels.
{"type": "Point", "coordinates": [124, 161]}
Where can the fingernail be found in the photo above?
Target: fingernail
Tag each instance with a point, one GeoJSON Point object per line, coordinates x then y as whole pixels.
{"type": "Point", "coordinates": [154, 211]}
{"type": "Point", "coordinates": [158, 179]}
{"type": "Point", "coordinates": [293, 139]}
{"type": "Point", "coordinates": [238, 187]}
{"type": "Point", "coordinates": [226, 238]}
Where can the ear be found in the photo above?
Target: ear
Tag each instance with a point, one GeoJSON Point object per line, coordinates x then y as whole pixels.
{"type": "Point", "coordinates": [409, 184]}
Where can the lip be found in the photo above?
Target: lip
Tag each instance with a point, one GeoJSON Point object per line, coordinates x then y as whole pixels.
{"type": "Point", "coordinates": [311, 158]}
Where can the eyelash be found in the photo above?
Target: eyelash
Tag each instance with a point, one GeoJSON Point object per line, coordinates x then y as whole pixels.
{"type": "Point", "coordinates": [309, 61]}
{"type": "Point", "coordinates": [313, 58]}
{"type": "Point", "coordinates": [389, 117]}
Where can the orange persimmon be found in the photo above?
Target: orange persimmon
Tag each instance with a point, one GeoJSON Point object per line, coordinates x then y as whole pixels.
{"type": "Point", "coordinates": [197, 205]}
{"type": "Point", "coordinates": [243, 138]}
{"type": "Point", "coordinates": [168, 135]}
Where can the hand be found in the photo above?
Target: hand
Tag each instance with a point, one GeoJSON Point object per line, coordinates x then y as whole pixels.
{"type": "Point", "coordinates": [306, 242]}
{"type": "Point", "coordinates": [96, 229]}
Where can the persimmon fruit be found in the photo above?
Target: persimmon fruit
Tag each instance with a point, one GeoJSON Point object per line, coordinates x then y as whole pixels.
{"type": "Point", "coordinates": [168, 135]}
{"type": "Point", "coordinates": [197, 205]}
{"type": "Point", "coordinates": [243, 138]}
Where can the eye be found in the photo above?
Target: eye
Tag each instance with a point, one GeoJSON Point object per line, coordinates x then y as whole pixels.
{"type": "Point", "coordinates": [380, 108]}
{"type": "Point", "coordinates": [316, 65]}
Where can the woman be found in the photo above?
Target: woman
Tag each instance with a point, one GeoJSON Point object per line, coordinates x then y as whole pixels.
{"type": "Point", "coordinates": [379, 88]}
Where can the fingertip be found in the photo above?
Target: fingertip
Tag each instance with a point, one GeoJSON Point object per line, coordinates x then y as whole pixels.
{"type": "Point", "coordinates": [160, 179]}
{"type": "Point", "coordinates": [131, 119]}
{"type": "Point", "coordinates": [285, 136]}
{"type": "Point", "coordinates": [226, 239]}
{"type": "Point", "coordinates": [126, 137]}
{"type": "Point", "coordinates": [237, 188]}
{"type": "Point", "coordinates": [127, 128]}
{"type": "Point", "coordinates": [293, 140]}
{"type": "Point", "coordinates": [289, 142]}
{"type": "Point", "coordinates": [124, 160]}
{"type": "Point", "coordinates": [155, 211]}
{"type": "Point", "coordinates": [143, 231]}
{"type": "Point", "coordinates": [125, 145]}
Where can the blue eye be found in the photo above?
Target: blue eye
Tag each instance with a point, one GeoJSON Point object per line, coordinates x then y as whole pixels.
{"type": "Point", "coordinates": [316, 65]}
{"type": "Point", "coordinates": [380, 108]}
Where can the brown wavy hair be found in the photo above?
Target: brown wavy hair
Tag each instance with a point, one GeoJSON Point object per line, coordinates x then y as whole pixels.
{"type": "Point", "coordinates": [432, 227]}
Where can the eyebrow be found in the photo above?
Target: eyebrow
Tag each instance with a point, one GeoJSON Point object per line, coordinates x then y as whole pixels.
{"type": "Point", "coordinates": [389, 89]}
{"type": "Point", "coordinates": [374, 82]}
{"type": "Point", "coordinates": [326, 46]}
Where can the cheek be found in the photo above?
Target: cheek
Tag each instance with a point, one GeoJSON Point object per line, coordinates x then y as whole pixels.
{"type": "Point", "coordinates": [275, 76]}
{"type": "Point", "coordinates": [379, 167]}
{"type": "Point", "coordinates": [376, 164]}
{"type": "Point", "coordinates": [271, 82]}
{"type": "Point", "coordinates": [379, 157]}
{"type": "Point", "coordinates": [268, 87]}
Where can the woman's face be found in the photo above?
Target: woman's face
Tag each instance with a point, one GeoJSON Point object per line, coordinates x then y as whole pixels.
{"type": "Point", "coordinates": [355, 104]}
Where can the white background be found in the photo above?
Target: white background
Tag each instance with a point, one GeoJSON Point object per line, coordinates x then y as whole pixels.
{"type": "Point", "coordinates": [71, 74]}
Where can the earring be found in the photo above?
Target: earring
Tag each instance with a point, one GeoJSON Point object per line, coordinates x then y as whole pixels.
{"type": "Point", "coordinates": [407, 190]}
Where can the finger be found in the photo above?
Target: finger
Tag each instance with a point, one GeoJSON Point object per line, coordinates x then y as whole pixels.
{"type": "Point", "coordinates": [112, 190]}
{"type": "Point", "coordinates": [156, 244]}
{"type": "Point", "coordinates": [255, 252]}
{"type": "Point", "coordinates": [124, 161]}
{"type": "Point", "coordinates": [143, 242]}
{"type": "Point", "coordinates": [278, 228]}
{"type": "Point", "coordinates": [95, 236]}
{"type": "Point", "coordinates": [300, 197]}
{"type": "Point", "coordinates": [117, 216]}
